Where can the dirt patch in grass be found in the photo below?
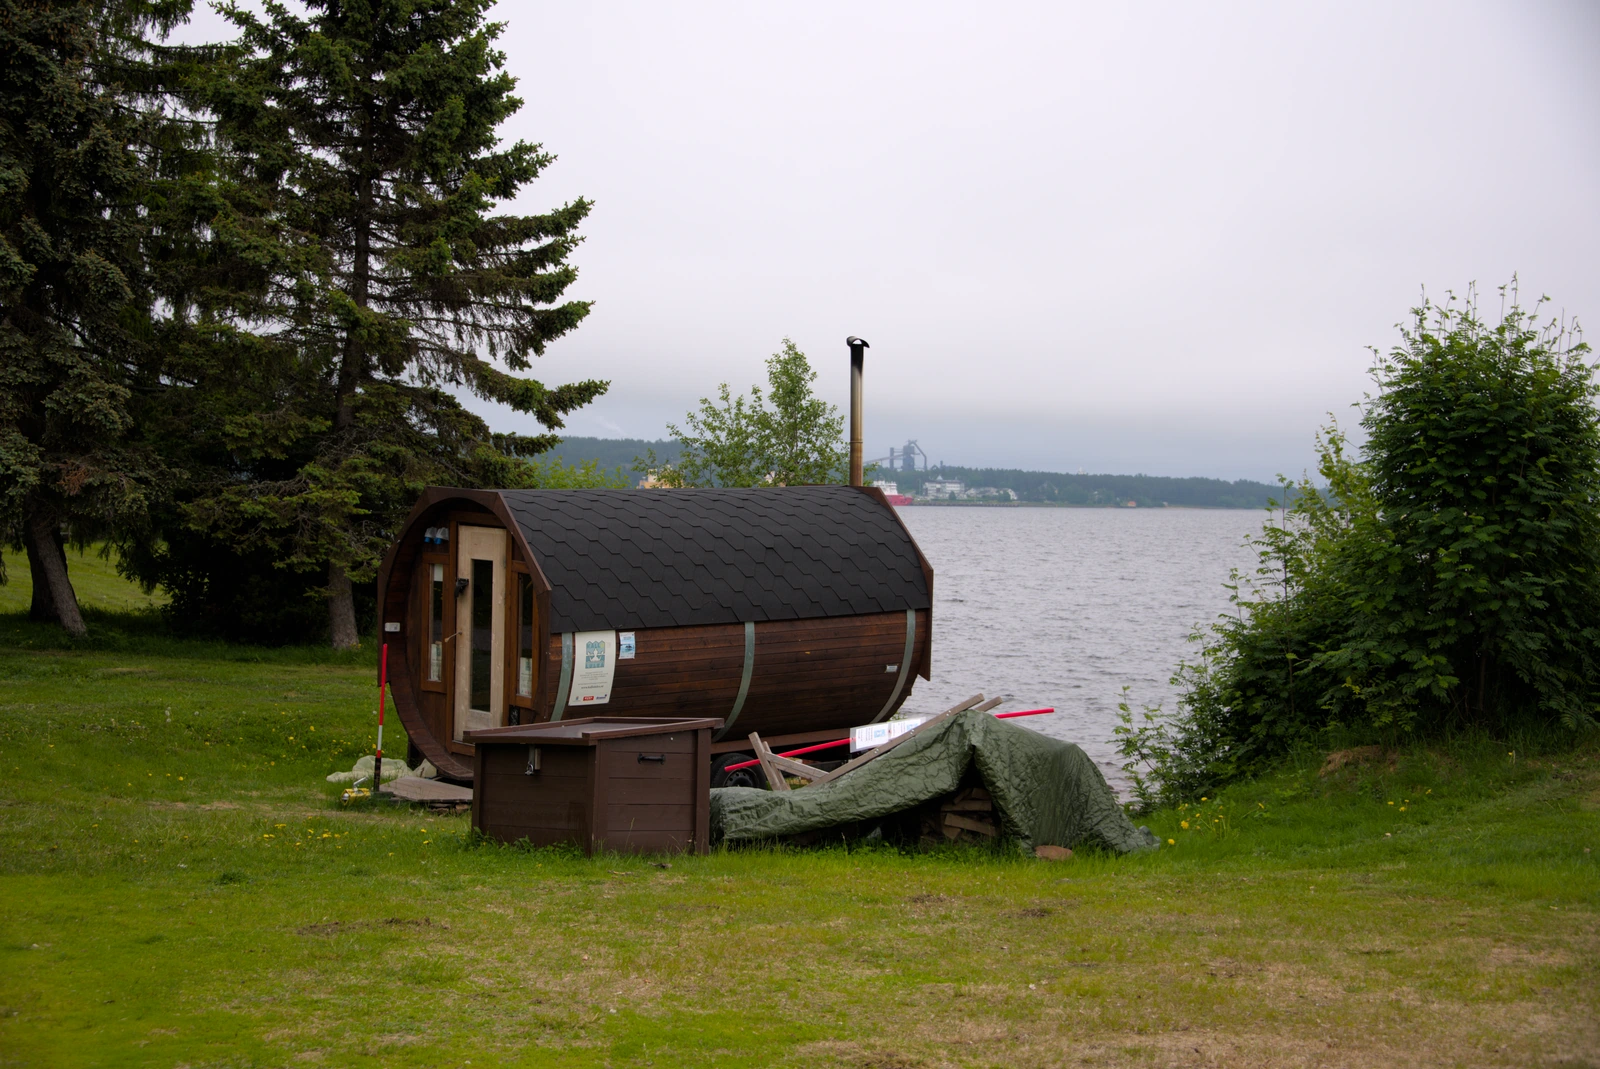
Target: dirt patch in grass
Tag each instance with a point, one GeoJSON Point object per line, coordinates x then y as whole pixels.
{"type": "Point", "coordinates": [341, 927]}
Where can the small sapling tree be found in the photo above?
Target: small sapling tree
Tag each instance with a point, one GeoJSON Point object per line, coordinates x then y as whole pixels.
{"type": "Point", "coordinates": [786, 436]}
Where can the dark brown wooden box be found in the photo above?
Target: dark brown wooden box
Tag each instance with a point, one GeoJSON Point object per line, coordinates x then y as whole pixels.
{"type": "Point", "coordinates": [629, 785]}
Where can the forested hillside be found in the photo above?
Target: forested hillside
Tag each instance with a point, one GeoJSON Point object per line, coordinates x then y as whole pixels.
{"type": "Point", "coordinates": [1146, 491]}
{"type": "Point", "coordinates": [1036, 487]}
{"type": "Point", "coordinates": [612, 453]}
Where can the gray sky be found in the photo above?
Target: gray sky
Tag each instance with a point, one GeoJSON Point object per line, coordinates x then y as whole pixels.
{"type": "Point", "coordinates": [1152, 238]}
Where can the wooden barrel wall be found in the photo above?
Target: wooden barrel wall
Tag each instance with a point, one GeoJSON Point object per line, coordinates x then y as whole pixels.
{"type": "Point", "coordinates": [808, 675]}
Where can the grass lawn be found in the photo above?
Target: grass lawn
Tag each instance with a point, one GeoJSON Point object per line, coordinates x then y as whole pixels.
{"type": "Point", "coordinates": [181, 888]}
{"type": "Point", "coordinates": [94, 579]}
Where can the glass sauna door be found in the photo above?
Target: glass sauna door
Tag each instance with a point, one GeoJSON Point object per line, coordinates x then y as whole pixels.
{"type": "Point", "coordinates": [480, 698]}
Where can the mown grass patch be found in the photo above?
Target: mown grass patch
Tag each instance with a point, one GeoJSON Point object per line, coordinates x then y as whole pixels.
{"type": "Point", "coordinates": [94, 576]}
{"type": "Point", "coordinates": [183, 888]}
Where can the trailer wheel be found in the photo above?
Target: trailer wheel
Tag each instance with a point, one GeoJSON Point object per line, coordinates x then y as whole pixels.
{"type": "Point", "coordinates": [739, 777]}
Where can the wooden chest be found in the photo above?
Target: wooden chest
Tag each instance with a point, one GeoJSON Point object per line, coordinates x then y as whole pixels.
{"type": "Point", "coordinates": [628, 785]}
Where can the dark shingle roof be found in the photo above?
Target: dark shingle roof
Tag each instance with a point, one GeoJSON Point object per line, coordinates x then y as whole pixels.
{"type": "Point", "coordinates": [670, 558]}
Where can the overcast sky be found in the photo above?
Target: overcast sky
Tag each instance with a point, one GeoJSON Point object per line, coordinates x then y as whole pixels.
{"type": "Point", "coordinates": [1152, 238]}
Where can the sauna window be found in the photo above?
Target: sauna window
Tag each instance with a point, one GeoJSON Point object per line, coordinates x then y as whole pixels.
{"type": "Point", "coordinates": [436, 624]}
{"type": "Point", "coordinates": [524, 636]}
{"type": "Point", "coordinates": [482, 632]}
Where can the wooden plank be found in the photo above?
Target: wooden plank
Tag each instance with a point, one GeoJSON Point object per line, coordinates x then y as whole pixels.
{"type": "Point", "coordinates": [641, 791]}
{"type": "Point", "coordinates": [970, 805]}
{"type": "Point", "coordinates": [679, 742]}
{"type": "Point", "coordinates": [963, 706]}
{"type": "Point", "coordinates": [990, 704]}
{"type": "Point", "coordinates": [956, 820]}
{"type": "Point", "coordinates": [794, 768]}
{"type": "Point", "coordinates": [621, 819]}
{"type": "Point", "coordinates": [417, 789]}
{"type": "Point", "coordinates": [775, 778]}
{"type": "Point", "coordinates": [675, 767]}
{"type": "Point", "coordinates": [559, 817]}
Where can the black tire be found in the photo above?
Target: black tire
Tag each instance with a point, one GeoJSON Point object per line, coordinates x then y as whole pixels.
{"type": "Point", "coordinates": [739, 777]}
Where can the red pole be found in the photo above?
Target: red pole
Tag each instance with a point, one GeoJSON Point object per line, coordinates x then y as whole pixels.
{"type": "Point", "coordinates": [1024, 712]}
{"type": "Point", "coordinates": [841, 742]}
{"type": "Point", "coordinates": [383, 684]}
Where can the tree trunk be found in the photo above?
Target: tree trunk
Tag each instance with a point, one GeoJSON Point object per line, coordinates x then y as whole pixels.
{"type": "Point", "coordinates": [41, 611]}
{"type": "Point", "coordinates": [48, 561]}
{"type": "Point", "coordinates": [341, 610]}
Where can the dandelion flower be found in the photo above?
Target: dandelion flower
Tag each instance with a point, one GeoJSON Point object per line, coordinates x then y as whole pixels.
{"type": "Point", "coordinates": [1202, 798]}
{"type": "Point", "coordinates": [425, 842]}
{"type": "Point", "coordinates": [1184, 824]}
{"type": "Point", "coordinates": [1391, 803]}
{"type": "Point", "coordinates": [1172, 842]}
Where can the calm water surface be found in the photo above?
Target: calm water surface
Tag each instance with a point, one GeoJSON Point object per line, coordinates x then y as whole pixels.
{"type": "Point", "coordinates": [1064, 607]}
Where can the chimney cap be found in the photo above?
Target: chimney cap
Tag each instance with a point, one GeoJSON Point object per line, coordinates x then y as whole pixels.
{"type": "Point", "coordinates": [855, 342]}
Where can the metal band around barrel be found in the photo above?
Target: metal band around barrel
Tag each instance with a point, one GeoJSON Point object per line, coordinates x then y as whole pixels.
{"type": "Point", "coordinates": [744, 680]}
{"type": "Point", "coordinates": [565, 682]}
{"type": "Point", "coordinates": [905, 665]}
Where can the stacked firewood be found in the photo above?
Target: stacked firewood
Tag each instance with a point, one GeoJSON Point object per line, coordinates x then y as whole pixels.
{"type": "Point", "coordinates": [965, 816]}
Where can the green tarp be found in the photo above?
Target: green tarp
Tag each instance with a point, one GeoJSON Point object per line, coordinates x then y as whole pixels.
{"type": "Point", "coordinates": [1046, 792]}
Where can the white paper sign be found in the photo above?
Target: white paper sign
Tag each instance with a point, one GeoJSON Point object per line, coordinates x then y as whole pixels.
{"type": "Point", "coordinates": [865, 738]}
{"type": "Point", "coordinates": [625, 646]}
{"type": "Point", "coordinates": [594, 662]}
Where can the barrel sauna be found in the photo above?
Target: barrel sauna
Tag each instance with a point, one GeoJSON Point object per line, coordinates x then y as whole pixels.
{"type": "Point", "coordinates": [792, 611]}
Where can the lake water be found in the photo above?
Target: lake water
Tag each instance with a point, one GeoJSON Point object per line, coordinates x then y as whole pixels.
{"type": "Point", "coordinates": [1063, 607]}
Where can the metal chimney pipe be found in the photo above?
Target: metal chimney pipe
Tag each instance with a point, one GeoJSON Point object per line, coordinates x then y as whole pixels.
{"type": "Point", "coordinates": [858, 350]}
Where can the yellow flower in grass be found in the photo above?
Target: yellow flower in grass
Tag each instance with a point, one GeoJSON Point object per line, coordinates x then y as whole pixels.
{"type": "Point", "coordinates": [1172, 842]}
{"type": "Point", "coordinates": [1184, 825]}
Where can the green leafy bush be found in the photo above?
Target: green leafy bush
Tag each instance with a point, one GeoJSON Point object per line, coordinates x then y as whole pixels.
{"type": "Point", "coordinates": [1448, 579]}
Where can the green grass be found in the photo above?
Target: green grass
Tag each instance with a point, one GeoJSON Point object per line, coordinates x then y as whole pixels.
{"type": "Point", "coordinates": [182, 888]}
{"type": "Point", "coordinates": [94, 577]}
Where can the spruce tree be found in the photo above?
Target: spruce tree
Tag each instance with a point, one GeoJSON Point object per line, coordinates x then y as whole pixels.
{"type": "Point", "coordinates": [369, 127]}
{"type": "Point", "coordinates": [74, 294]}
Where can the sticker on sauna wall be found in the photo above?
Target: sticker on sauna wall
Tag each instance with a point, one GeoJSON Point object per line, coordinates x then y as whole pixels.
{"type": "Point", "coordinates": [625, 646]}
{"type": "Point", "coordinates": [594, 662]}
